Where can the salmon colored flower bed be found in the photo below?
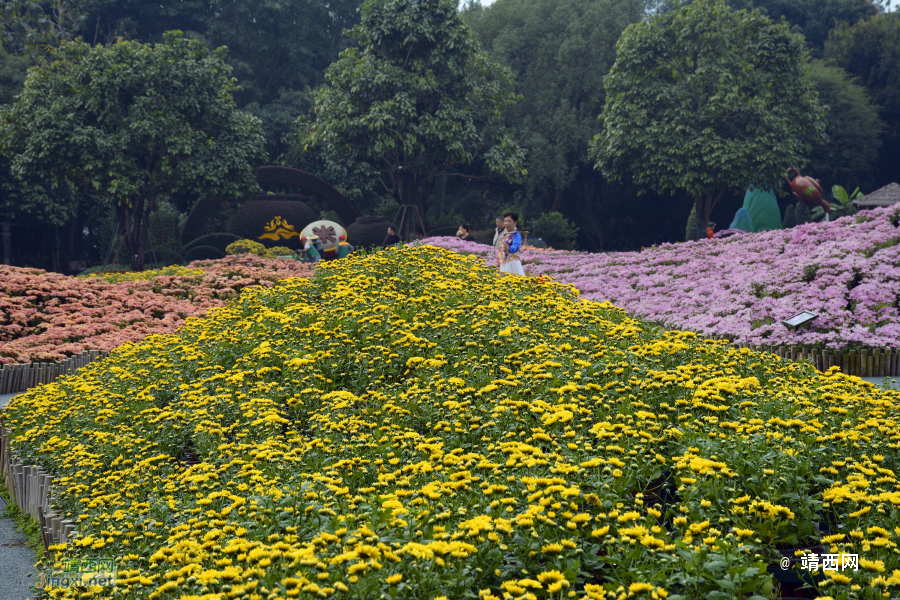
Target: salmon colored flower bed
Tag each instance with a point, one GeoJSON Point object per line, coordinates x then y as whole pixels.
{"type": "Point", "coordinates": [410, 424]}
{"type": "Point", "coordinates": [47, 316]}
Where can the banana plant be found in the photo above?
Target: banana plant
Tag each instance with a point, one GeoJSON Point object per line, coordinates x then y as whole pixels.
{"type": "Point", "coordinates": [843, 208]}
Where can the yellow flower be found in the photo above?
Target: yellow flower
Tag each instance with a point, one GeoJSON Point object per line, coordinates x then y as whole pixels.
{"type": "Point", "coordinates": [394, 579]}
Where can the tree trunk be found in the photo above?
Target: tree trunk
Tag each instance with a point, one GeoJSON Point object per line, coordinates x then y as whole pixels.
{"type": "Point", "coordinates": [132, 219]}
{"type": "Point", "coordinates": [705, 204]}
{"type": "Point", "coordinates": [557, 201]}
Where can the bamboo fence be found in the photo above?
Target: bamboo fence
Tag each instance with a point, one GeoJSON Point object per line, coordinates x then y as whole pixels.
{"type": "Point", "coordinates": [31, 488]}
{"type": "Point", "coordinates": [24, 376]}
{"type": "Point", "coordinates": [877, 362]}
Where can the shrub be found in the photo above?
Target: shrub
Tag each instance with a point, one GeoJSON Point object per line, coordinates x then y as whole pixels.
{"type": "Point", "coordinates": [252, 221]}
{"type": "Point", "coordinates": [203, 253]}
{"type": "Point", "coordinates": [367, 232]}
{"type": "Point", "coordinates": [802, 214]}
{"type": "Point", "coordinates": [693, 222]}
{"type": "Point", "coordinates": [389, 208]}
{"type": "Point", "coordinates": [383, 430]}
{"type": "Point", "coordinates": [485, 236]}
{"type": "Point", "coordinates": [555, 229]}
{"type": "Point", "coordinates": [166, 224]}
{"type": "Point", "coordinates": [216, 240]}
{"type": "Point", "coordinates": [790, 217]}
{"type": "Point", "coordinates": [248, 247]}
{"type": "Point", "coordinates": [280, 251]}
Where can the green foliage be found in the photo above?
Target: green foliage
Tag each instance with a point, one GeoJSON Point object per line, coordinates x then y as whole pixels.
{"type": "Point", "coordinates": [203, 253]}
{"type": "Point", "coordinates": [691, 229]}
{"type": "Point", "coordinates": [845, 204]}
{"type": "Point", "coordinates": [24, 524]}
{"type": "Point", "coordinates": [559, 51]}
{"type": "Point", "coordinates": [12, 75]}
{"type": "Point", "coordinates": [330, 215]}
{"type": "Point", "coordinates": [166, 123]}
{"type": "Point", "coordinates": [416, 100]}
{"type": "Point", "coordinates": [209, 215]}
{"type": "Point", "coordinates": [218, 240]}
{"type": "Point", "coordinates": [31, 27]}
{"type": "Point", "coordinates": [802, 214]}
{"type": "Point", "coordinates": [253, 219]}
{"type": "Point", "coordinates": [389, 208]}
{"type": "Point", "coordinates": [697, 99]}
{"type": "Point", "coordinates": [556, 230]}
{"type": "Point", "coordinates": [166, 223]}
{"type": "Point", "coordinates": [870, 51]}
{"type": "Point", "coordinates": [279, 119]}
{"type": "Point", "coordinates": [853, 127]}
{"type": "Point", "coordinates": [790, 217]}
{"type": "Point", "coordinates": [448, 218]}
{"type": "Point", "coordinates": [812, 18]}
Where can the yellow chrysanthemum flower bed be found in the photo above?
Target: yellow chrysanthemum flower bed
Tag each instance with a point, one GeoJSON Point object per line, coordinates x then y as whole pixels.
{"type": "Point", "coordinates": [410, 424]}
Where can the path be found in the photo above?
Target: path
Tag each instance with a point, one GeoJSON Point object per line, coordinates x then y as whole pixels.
{"type": "Point", "coordinates": [16, 558]}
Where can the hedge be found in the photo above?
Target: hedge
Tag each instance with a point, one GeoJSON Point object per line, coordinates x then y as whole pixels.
{"type": "Point", "coordinates": [367, 232]}
{"type": "Point", "coordinates": [203, 253]}
{"type": "Point", "coordinates": [218, 240]}
{"type": "Point", "coordinates": [251, 221]}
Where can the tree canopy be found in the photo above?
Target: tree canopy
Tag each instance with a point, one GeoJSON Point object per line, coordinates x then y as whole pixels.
{"type": "Point", "coordinates": [417, 100]}
{"type": "Point", "coordinates": [870, 51]}
{"type": "Point", "coordinates": [812, 18]}
{"type": "Point", "coordinates": [559, 51]}
{"type": "Point", "coordinates": [705, 99]}
{"type": "Point", "coordinates": [133, 123]}
{"type": "Point", "coordinates": [853, 128]}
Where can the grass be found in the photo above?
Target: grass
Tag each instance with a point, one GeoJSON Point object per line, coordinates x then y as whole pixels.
{"type": "Point", "coordinates": [24, 524]}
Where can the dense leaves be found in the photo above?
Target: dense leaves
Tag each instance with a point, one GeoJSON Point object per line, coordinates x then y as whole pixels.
{"type": "Point", "coordinates": [870, 51]}
{"type": "Point", "coordinates": [705, 99]}
{"type": "Point", "coordinates": [559, 52]}
{"type": "Point", "coordinates": [417, 100]}
{"type": "Point", "coordinates": [853, 128]}
{"type": "Point", "coordinates": [133, 123]}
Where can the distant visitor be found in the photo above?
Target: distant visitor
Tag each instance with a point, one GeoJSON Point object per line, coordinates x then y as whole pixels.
{"type": "Point", "coordinates": [508, 252]}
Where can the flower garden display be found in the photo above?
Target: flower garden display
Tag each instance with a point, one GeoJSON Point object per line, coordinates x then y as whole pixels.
{"type": "Point", "coordinates": [743, 286]}
{"type": "Point", "coordinates": [47, 316]}
{"type": "Point", "coordinates": [409, 424]}
{"type": "Point", "coordinates": [329, 233]}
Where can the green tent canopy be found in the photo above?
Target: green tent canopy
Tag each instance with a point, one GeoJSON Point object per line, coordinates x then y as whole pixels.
{"type": "Point", "coordinates": [763, 210]}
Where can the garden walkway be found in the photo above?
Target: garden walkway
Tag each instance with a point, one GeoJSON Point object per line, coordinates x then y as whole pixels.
{"type": "Point", "coordinates": [17, 570]}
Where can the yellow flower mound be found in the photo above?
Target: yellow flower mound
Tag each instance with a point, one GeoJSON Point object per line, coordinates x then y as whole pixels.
{"type": "Point", "coordinates": [172, 271]}
{"type": "Point", "coordinates": [410, 423]}
{"type": "Point", "coordinates": [251, 247]}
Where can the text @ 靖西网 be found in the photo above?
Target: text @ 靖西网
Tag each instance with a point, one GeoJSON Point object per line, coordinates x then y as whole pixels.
{"type": "Point", "coordinates": [829, 562]}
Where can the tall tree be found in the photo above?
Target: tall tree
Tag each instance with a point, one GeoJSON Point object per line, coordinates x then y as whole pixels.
{"type": "Point", "coordinates": [854, 130]}
{"type": "Point", "coordinates": [813, 18]}
{"type": "Point", "coordinates": [559, 51]}
{"type": "Point", "coordinates": [705, 99]}
{"type": "Point", "coordinates": [272, 44]}
{"type": "Point", "coordinates": [133, 123]}
{"type": "Point", "coordinates": [870, 51]}
{"type": "Point", "coordinates": [418, 100]}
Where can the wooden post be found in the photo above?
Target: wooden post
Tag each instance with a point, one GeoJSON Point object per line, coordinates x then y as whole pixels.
{"type": "Point", "coordinates": [870, 364]}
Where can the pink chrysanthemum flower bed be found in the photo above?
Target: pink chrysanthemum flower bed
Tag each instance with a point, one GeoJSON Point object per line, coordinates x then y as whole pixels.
{"type": "Point", "coordinates": [743, 287]}
{"type": "Point", "coordinates": [47, 316]}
